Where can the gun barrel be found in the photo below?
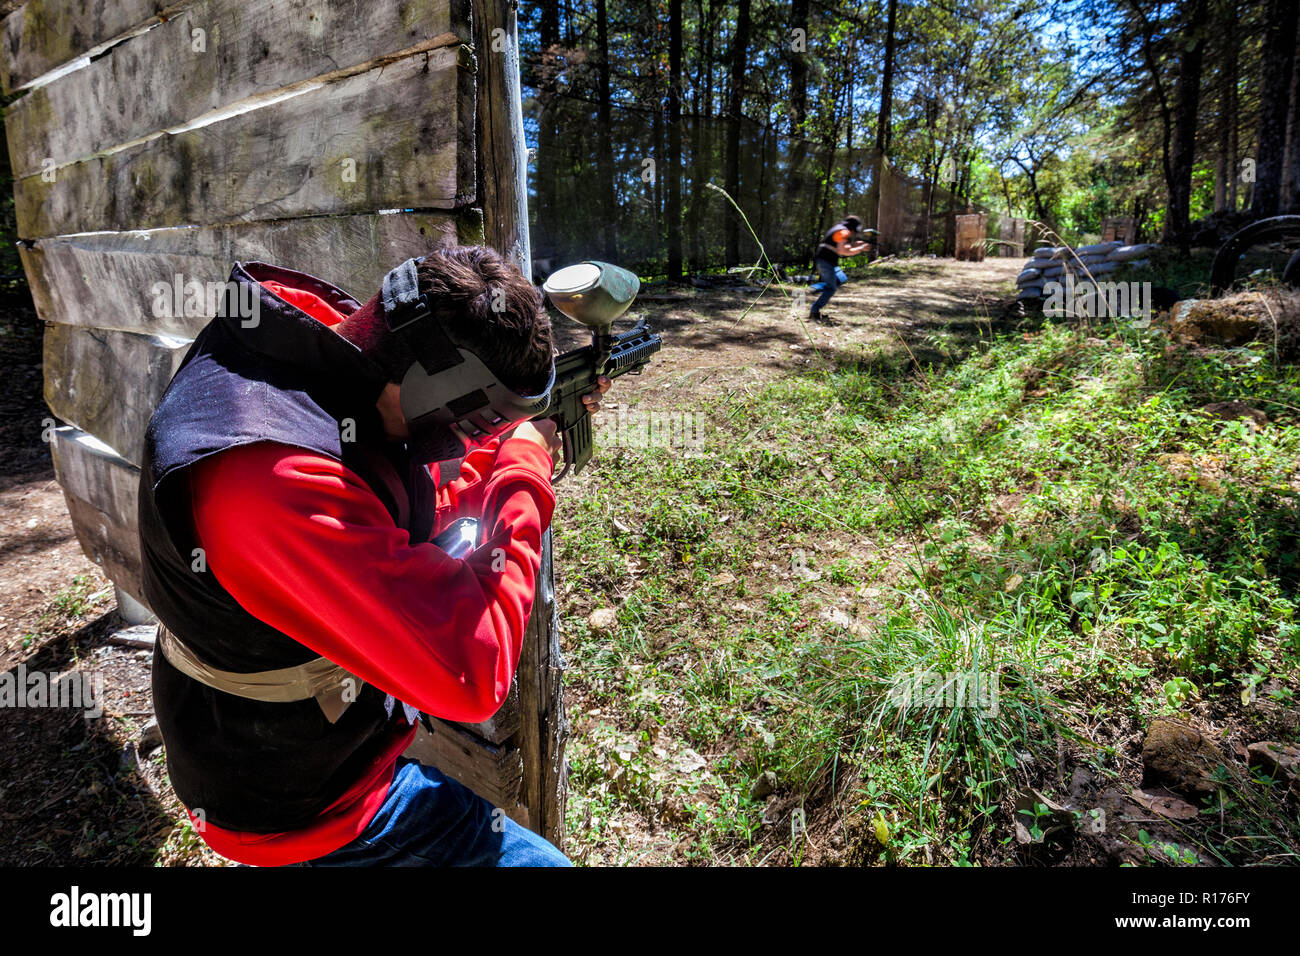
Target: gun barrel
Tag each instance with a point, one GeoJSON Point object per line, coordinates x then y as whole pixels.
{"type": "Point", "coordinates": [631, 350]}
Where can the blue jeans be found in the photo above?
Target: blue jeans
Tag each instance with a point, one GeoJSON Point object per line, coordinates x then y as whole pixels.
{"type": "Point", "coordinates": [830, 282]}
{"type": "Point", "coordinates": [428, 819]}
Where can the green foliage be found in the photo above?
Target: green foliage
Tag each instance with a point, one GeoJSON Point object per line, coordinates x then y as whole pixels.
{"type": "Point", "coordinates": [1054, 511]}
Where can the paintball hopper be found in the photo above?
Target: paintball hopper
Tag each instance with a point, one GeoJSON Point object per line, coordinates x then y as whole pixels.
{"type": "Point", "coordinates": [593, 293]}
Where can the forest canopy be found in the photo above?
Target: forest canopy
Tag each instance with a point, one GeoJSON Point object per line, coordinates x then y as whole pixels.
{"type": "Point", "coordinates": [1181, 115]}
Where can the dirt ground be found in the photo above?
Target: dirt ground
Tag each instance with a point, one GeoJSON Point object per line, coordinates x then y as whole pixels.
{"type": "Point", "coordinates": [74, 790]}
{"type": "Point", "coordinates": [718, 339]}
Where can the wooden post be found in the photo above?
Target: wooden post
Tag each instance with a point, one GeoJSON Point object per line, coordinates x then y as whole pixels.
{"type": "Point", "coordinates": [502, 158]}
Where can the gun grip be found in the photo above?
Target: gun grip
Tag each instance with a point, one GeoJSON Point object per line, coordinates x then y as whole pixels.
{"type": "Point", "coordinates": [577, 445]}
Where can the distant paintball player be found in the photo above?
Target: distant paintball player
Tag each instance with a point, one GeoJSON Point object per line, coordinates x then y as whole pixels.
{"type": "Point", "coordinates": [838, 243]}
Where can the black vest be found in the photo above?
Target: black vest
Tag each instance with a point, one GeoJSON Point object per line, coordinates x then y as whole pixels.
{"type": "Point", "coordinates": [826, 250]}
{"type": "Point", "coordinates": [251, 765]}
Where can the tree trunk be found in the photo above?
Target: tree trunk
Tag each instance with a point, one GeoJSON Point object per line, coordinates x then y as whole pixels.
{"type": "Point", "coordinates": [549, 28]}
{"type": "Point", "coordinates": [673, 179]}
{"type": "Point", "coordinates": [848, 133]}
{"type": "Point", "coordinates": [1157, 83]}
{"type": "Point", "coordinates": [884, 122]}
{"type": "Point", "coordinates": [799, 69]}
{"type": "Point", "coordinates": [1225, 186]}
{"type": "Point", "coordinates": [1274, 85]}
{"type": "Point", "coordinates": [1290, 202]}
{"type": "Point", "coordinates": [658, 153]}
{"type": "Point", "coordinates": [794, 188]}
{"type": "Point", "coordinates": [1183, 142]}
{"type": "Point", "coordinates": [604, 140]}
{"type": "Point", "coordinates": [699, 144]}
{"type": "Point", "coordinates": [739, 51]}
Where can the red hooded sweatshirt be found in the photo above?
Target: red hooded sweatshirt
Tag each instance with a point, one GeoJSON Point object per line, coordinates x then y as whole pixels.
{"type": "Point", "coordinates": [314, 553]}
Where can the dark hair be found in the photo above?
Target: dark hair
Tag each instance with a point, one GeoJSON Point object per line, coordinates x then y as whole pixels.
{"type": "Point", "coordinates": [487, 307]}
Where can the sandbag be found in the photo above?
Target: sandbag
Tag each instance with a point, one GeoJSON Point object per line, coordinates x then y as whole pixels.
{"type": "Point", "coordinates": [1098, 248]}
{"type": "Point", "coordinates": [1100, 268]}
{"type": "Point", "coordinates": [1125, 253]}
{"type": "Point", "coordinates": [1028, 274]}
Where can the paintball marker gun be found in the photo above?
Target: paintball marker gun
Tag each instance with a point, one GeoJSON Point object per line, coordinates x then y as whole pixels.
{"type": "Point", "coordinates": [593, 294]}
{"type": "Point", "coordinates": [866, 235]}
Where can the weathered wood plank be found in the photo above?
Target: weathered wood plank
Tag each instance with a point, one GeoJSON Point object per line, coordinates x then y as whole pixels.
{"type": "Point", "coordinates": [502, 152]}
{"type": "Point", "coordinates": [495, 773]}
{"type": "Point", "coordinates": [108, 382]}
{"type": "Point", "coordinates": [94, 472]}
{"type": "Point", "coordinates": [108, 280]}
{"type": "Point", "coordinates": [44, 34]}
{"type": "Point", "coordinates": [100, 488]}
{"type": "Point", "coordinates": [502, 725]}
{"type": "Point", "coordinates": [113, 546]}
{"type": "Point", "coordinates": [243, 51]}
{"type": "Point", "coordinates": [391, 138]}
{"type": "Point", "coordinates": [503, 197]}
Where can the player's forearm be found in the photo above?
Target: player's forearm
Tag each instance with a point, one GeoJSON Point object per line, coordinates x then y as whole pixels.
{"type": "Point", "coordinates": [316, 556]}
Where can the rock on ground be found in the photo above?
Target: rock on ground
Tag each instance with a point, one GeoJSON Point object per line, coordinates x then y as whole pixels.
{"type": "Point", "coordinates": [1179, 758]}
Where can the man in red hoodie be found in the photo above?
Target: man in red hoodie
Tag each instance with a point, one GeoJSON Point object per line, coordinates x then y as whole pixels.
{"type": "Point", "coordinates": [287, 507]}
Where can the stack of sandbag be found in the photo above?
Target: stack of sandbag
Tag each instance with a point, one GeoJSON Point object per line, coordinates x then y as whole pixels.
{"type": "Point", "coordinates": [1135, 256]}
{"type": "Point", "coordinates": [1052, 263]}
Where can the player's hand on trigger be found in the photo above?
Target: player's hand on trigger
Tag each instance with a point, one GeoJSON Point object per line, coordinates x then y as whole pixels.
{"type": "Point", "coordinates": [592, 399]}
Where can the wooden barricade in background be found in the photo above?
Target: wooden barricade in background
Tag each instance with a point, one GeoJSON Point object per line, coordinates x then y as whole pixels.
{"type": "Point", "coordinates": [970, 236]}
{"type": "Point", "coordinates": [153, 140]}
{"type": "Point", "coordinates": [1011, 233]}
{"type": "Point", "coordinates": [1121, 228]}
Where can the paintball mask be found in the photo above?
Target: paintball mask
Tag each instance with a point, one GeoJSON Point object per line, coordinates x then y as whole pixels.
{"type": "Point", "coordinates": [451, 400]}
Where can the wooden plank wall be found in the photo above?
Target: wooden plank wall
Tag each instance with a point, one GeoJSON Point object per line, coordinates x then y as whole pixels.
{"type": "Point", "coordinates": [160, 142]}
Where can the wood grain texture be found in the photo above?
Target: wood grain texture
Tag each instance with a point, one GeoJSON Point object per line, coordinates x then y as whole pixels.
{"type": "Point", "coordinates": [502, 725]}
{"type": "Point", "coordinates": [112, 546]}
{"type": "Point", "coordinates": [502, 151]}
{"type": "Point", "coordinates": [397, 132]}
{"type": "Point", "coordinates": [543, 729]}
{"type": "Point", "coordinates": [100, 489]}
{"type": "Point", "coordinates": [212, 56]}
{"type": "Point", "coordinates": [95, 473]}
{"type": "Point", "coordinates": [44, 34]}
{"type": "Point", "coordinates": [494, 772]}
{"type": "Point", "coordinates": [107, 382]}
{"type": "Point", "coordinates": [107, 281]}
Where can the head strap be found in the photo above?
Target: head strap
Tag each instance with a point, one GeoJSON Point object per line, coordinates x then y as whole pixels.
{"type": "Point", "coordinates": [447, 385]}
{"type": "Point", "coordinates": [404, 307]}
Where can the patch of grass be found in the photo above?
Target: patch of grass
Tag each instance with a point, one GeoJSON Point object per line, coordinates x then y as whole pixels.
{"type": "Point", "coordinates": [1052, 511]}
